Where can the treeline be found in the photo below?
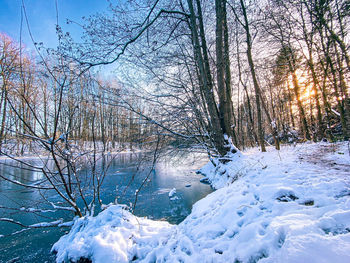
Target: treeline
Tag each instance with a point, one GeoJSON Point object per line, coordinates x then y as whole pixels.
{"type": "Point", "coordinates": [40, 99]}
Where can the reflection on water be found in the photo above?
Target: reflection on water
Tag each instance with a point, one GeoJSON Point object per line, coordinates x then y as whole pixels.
{"type": "Point", "coordinates": [124, 178]}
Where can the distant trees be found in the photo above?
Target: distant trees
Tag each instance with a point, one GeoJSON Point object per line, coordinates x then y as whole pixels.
{"type": "Point", "coordinates": [30, 99]}
{"type": "Point", "coordinates": [9, 70]}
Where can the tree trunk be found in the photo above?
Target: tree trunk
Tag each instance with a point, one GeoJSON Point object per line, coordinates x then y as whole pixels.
{"type": "Point", "coordinates": [255, 81]}
{"type": "Point", "coordinates": [204, 73]}
{"type": "Point", "coordinates": [223, 73]}
{"type": "Point", "coordinates": [3, 119]}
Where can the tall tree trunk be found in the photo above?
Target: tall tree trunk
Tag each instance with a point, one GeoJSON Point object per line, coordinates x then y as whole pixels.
{"type": "Point", "coordinates": [309, 40]}
{"type": "Point", "coordinates": [230, 109]}
{"type": "Point", "coordinates": [223, 73]}
{"type": "Point", "coordinates": [343, 97]}
{"type": "Point", "coordinates": [206, 87]}
{"type": "Point", "coordinates": [3, 117]}
{"type": "Point", "coordinates": [255, 81]}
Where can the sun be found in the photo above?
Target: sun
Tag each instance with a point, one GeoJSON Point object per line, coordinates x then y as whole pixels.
{"type": "Point", "coordinates": [308, 93]}
{"type": "Point", "coordinates": [306, 89]}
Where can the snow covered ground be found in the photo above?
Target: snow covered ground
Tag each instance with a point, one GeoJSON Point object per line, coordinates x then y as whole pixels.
{"type": "Point", "coordinates": [290, 206]}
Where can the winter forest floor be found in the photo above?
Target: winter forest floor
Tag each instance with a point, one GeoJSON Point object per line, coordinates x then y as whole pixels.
{"type": "Point", "coordinates": [289, 206]}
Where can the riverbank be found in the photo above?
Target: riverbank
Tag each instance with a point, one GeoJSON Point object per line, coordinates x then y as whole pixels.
{"type": "Point", "coordinates": [12, 150]}
{"type": "Point", "coordinates": [287, 206]}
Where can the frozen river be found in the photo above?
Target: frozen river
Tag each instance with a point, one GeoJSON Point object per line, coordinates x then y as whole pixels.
{"type": "Point", "coordinates": [153, 201]}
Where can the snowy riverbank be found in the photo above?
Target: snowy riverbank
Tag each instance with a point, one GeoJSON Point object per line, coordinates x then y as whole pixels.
{"type": "Point", "coordinates": [287, 206]}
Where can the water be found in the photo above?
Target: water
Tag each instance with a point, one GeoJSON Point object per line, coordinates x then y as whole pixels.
{"type": "Point", "coordinates": [153, 201]}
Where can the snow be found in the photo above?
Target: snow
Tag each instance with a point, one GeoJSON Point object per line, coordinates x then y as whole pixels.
{"type": "Point", "coordinates": [36, 210]}
{"type": "Point", "coordinates": [289, 206]}
{"type": "Point", "coordinates": [47, 224]}
{"type": "Point", "coordinates": [110, 237]}
{"type": "Point", "coordinates": [37, 152]}
{"type": "Point", "coordinates": [172, 193]}
{"type": "Point", "coordinates": [68, 208]}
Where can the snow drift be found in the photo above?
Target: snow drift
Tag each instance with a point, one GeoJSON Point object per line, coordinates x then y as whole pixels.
{"type": "Point", "coordinates": [289, 206]}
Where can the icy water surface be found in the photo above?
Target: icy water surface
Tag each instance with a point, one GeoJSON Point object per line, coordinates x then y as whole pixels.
{"type": "Point", "coordinates": [153, 201]}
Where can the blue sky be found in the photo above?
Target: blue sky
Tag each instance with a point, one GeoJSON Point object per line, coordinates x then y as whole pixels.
{"type": "Point", "coordinates": [42, 18]}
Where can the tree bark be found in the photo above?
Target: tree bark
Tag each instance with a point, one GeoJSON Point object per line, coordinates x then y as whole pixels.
{"type": "Point", "coordinates": [204, 73]}
{"type": "Point", "coordinates": [255, 81]}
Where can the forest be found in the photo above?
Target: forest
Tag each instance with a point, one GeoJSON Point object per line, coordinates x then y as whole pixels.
{"type": "Point", "coordinates": [261, 73]}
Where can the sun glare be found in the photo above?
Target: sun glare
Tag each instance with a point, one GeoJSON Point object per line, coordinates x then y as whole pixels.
{"type": "Point", "coordinates": [307, 93]}
{"type": "Point", "coordinates": [305, 84]}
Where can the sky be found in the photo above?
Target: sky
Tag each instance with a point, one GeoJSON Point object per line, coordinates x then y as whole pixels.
{"type": "Point", "coordinates": [41, 16]}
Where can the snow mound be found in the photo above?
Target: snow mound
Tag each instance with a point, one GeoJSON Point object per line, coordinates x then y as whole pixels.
{"type": "Point", "coordinates": [172, 192]}
{"type": "Point", "coordinates": [279, 208]}
{"type": "Point", "coordinates": [110, 237]}
{"type": "Point", "coordinates": [224, 173]}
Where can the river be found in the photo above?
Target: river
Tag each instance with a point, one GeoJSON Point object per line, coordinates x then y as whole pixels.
{"type": "Point", "coordinates": [153, 200]}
